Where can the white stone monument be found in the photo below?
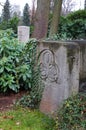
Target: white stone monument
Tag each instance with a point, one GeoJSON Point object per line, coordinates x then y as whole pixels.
{"type": "Point", "coordinates": [23, 33]}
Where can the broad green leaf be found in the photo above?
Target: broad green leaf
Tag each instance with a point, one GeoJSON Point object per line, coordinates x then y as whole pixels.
{"type": "Point", "coordinates": [2, 69]}
{"type": "Point", "coordinates": [24, 77]}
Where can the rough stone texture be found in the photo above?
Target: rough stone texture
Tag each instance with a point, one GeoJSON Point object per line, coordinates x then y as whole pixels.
{"type": "Point", "coordinates": [59, 65]}
{"type": "Point", "coordinates": [82, 45]}
{"type": "Point", "coordinates": [82, 79]}
{"type": "Point", "coordinates": [23, 33]}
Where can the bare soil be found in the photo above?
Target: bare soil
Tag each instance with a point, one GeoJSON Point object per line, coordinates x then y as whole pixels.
{"type": "Point", "coordinates": [7, 101]}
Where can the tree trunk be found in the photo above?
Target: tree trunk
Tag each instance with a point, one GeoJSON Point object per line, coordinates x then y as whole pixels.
{"type": "Point", "coordinates": [33, 12]}
{"type": "Point", "coordinates": [56, 17]}
{"type": "Point", "coordinates": [41, 20]}
{"type": "Point", "coordinates": [85, 4]}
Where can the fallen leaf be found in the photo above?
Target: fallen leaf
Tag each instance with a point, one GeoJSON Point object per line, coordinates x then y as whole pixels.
{"type": "Point", "coordinates": [8, 117]}
{"type": "Point", "coordinates": [17, 123]}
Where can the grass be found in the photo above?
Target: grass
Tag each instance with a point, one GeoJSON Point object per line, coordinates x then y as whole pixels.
{"type": "Point", "coordinates": [25, 119]}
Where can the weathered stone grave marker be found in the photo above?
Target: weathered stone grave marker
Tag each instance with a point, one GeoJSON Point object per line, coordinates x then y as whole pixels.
{"type": "Point", "coordinates": [59, 65]}
{"type": "Point", "coordinates": [23, 33]}
{"type": "Point", "coordinates": [62, 66]}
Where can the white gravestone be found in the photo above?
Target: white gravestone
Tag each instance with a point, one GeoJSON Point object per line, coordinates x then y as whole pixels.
{"type": "Point", "coordinates": [23, 33]}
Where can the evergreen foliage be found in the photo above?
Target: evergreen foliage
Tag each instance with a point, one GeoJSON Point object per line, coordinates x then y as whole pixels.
{"type": "Point", "coordinates": [15, 63]}
{"type": "Point", "coordinates": [73, 25]}
{"type": "Point", "coordinates": [72, 114]}
{"type": "Point", "coordinates": [6, 11]}
{"type": "Point", "coordinates": [12, 23]}
{"type": "Point", "coordinates": [85, 4]}
{"type": "Point", "coordinates": [26, 15]}
{"type": "Point", "coordinates": [79, 14]}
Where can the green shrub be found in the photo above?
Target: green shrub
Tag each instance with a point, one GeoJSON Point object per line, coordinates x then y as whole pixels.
{"type": "Point", "coordinates": [76, 29]}
{"type": "Point", "coordinates": [3, 25]}
{"type": "Point", "coordinates": [18, 68]}
{"type": "Point", "coordinates": [79, 14]}
{"type": "Point", "coordinates": [15, 63]}
{"type": "Point", "coordinates": [73, 29]}
{"type": "Point", "coordinates": [74, 25]}
{"type": "Point", "coordinates": [72, 115]}
{"type": "Point", "coordinates": [11, 23]}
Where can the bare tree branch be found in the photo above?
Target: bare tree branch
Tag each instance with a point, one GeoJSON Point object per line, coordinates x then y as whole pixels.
{"type": "Point", "coordinates": [2, 4]}
{"type": "Point", "coordinates": [67, 6]}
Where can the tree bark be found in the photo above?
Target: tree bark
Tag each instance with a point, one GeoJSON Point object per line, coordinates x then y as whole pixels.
{"type": "Point", "coordinates": [56, 17]}
{"type": "Point", "coordinates": [85, 4]}
{"type": "Point", "coordinates": [41, 20]}
{"type": "Point", "coordinates": [33, 12]}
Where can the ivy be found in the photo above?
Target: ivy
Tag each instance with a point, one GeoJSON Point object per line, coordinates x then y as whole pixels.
{"type": "Point", "coordinates": [72, 115]}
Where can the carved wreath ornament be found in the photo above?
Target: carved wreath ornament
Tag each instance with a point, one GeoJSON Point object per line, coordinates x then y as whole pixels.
{"type": "Point", "coordinates": [48, 67]}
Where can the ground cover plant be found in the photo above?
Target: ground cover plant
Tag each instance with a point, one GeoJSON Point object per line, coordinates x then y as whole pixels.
{"type": "Point", "coordinates": [25, 119]}
{"type": "Point", "coordinates": [72, 115]}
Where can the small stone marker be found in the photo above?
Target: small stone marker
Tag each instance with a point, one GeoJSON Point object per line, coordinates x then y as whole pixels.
{"type": "Point", "coordinates": [23, 33]}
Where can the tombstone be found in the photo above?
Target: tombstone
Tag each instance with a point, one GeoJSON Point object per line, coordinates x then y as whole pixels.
{"type": "Point", "coordinates": [59, 66]}
{"type": "Point", "coordinates": [23, 33]}
{"type": "Point", "coordinates": [82, 45]}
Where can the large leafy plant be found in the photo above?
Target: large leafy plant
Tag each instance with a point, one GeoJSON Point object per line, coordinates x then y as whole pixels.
{"type": "Point", "coordinates": [11, 23]}
{"type": "Point", "coordinates": [15, 63]}
{"type": "Point", "coordinates": [73, 26]}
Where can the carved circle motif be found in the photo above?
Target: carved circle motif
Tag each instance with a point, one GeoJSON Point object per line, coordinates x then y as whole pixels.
{"type": "Point", "coordinates": [48, 67]}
